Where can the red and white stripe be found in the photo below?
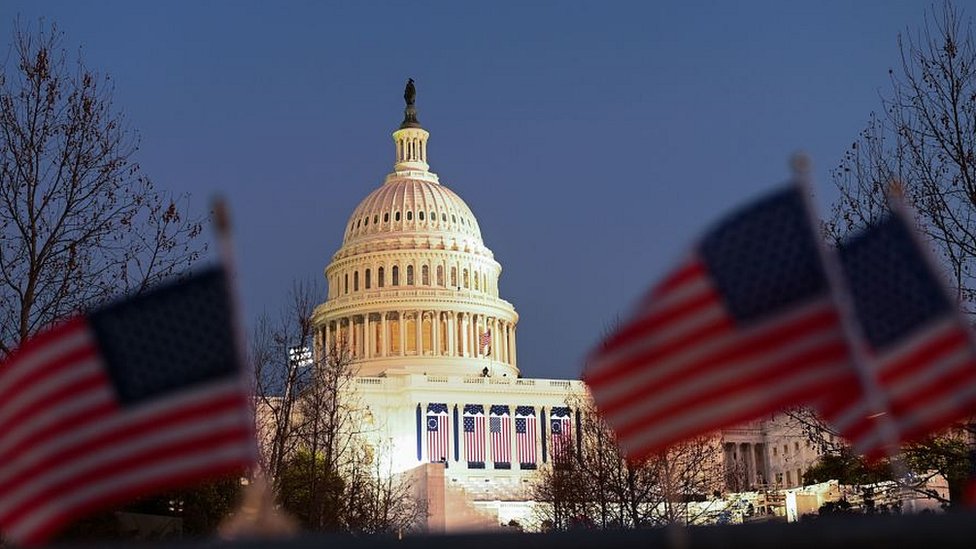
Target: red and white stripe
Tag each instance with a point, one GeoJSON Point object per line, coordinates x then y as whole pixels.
{"type": "Point", "coordinates": [525, 443]}
{"type": "Point", "coordinates": [474, 441]}
{"type": "Point", "coordinates": [501, 440]}
{"type": "Point", "coordinates": [562, 442]}
{"type": "Point", "coordinates": [437, 440]}
{"type": "Point", "coordinates": [682, 366]}
{"type": "Point", "coordinates": [67, 447]}
{"type": "Point", "coordinates": [929, 381]}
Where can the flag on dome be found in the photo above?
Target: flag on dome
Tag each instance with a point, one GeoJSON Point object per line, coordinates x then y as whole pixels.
{"type": "Point", "coordinates": [141, 395]}
{"type": "Point", "coordinates": [486, 341]}
{"type": "Point", "coordinates": [744, 326]}
{"type": "Point", "coordinates": [917, 350]}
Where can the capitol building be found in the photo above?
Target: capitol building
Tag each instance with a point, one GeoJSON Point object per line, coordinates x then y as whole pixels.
{"type": "Point", "coordinates": [413, 295]}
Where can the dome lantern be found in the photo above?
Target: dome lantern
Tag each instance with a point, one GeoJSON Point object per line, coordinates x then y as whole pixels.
{"type": "Point", "coordinates": [410, 138]}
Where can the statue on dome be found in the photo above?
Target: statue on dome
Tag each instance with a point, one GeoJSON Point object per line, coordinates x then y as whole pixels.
{"type": "Point", "coordinates": [410, 93]}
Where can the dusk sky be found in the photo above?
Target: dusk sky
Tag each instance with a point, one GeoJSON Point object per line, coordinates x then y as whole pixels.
{"type": "Point", "coordinates": [593, 141]}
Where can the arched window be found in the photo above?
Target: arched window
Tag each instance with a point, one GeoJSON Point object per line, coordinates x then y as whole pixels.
{"type": "Point", "coordinates": [366, 221]}
{"type": "Point", "coordinates": [433, 216]}
{"type": "Point", "coordinates": [440, 275]}
{"type": "Point", "coordinates": [453, 218]}
{"type": "Point", "coordinates": [425, 275]}
{"type": "Point", "coordinates": [396, 275]}
{"type": "Point", "coordinates": [454, 283]}
{"type": "Point", "coordinates": [421, 214]}
{"type": "Point", "coordinates": [386, 217]}
{"type": "Point", "coordinates": [409, 275]}
{"type": "Point", "coordinates": [355, 281]}
{"type": "Point", "coordinates": [396, 216]}
{"type": "Point", "coordinates": [368, 279]}
{"type": "Point", "coordinates": [467, 281]}
{"type": "Point", "coordinates": [379, 277]}
{"type": "Point", "coordinates": [410, 216]}
{"type": "Point", "coordinates": [346, 284]}
{"type": "Point", "coordinates": [444, 217]}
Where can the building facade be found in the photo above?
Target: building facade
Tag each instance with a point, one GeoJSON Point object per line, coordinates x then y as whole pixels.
{"type": "Point", "coordinates": [414, 300]}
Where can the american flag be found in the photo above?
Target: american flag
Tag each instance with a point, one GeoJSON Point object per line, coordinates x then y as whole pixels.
{"type": "Point", "coordinates": [437, 433]}
{"type": "Point", "coordinates": [500, 431]}
{"type": "Point", "coordinates": [561, 427]}
{"type": "Point", "coordinates": [525, 435]}
{"type": "Point", "coordinates": [141, 395]}
{"type": "Point", "coordinates": [486, 342]}
{"type": "Point", "coordinates": [474, 433]}
{"type": "Point", "coordinates": [745, 326]}
{"type": "Point", "coordinates": [917, 348]}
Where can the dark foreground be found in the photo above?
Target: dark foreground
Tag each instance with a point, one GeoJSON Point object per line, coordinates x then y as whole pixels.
{"type": "Point", "coordinates": [931, 531]}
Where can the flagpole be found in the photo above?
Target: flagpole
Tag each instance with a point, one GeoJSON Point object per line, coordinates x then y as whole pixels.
{"type": "Point", "coordinates": [877, 404]}
{"type": "Point", "coordinates": [225, 251]}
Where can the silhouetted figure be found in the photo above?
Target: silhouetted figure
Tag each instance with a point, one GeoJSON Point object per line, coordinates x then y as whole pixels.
{"type": "Point", "coordinates": [410, 93]}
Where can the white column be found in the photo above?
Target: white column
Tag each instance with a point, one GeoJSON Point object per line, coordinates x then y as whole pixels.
{"type": "Point", "coordinates": [435, 330]}
{"type": "Point", "coordinates": [452, 333]}
{"type": "Point", "coordinates": [514, 362]}
{"type": "Point", "coordinates": [403, 335]}
{"type": "Point", "coordinates": [369, 336]}
{"type": "Point", "coordinates": [419, 331]}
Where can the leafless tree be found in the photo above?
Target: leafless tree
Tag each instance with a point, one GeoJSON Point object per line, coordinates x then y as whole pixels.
{"type": "Point", "coordinates": [596, 485]}
{"type": "Point", "coordinates": [314, 430]}
{"type": "Point", "coordinates": [79, 221]}
{"type": "Point", "coordinates": [924, 138]}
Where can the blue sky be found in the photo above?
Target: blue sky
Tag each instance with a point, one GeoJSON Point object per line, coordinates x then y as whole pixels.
{"type": "Point", "coordinates": [593, 141]}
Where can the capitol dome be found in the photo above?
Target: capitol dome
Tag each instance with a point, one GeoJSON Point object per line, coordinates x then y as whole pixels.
{"type": "Point", "coordinates": [413, 288]}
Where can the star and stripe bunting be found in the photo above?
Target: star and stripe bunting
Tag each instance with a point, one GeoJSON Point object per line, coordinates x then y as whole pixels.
{"type": "Point", "coordinates": [500, 434]}
{"type": "Point", "coordinates": [561, 430]}
{"type": "Point", "coordinates": [141, 395]}
{"type": "Point", "coordinates": [474, 435]}
{"type": "Point", "coordinates": [438, 435]}
{"type": "Point", "coordinates": [917, 349]}
{"type": "Point", "coordinates": [525, 436]}
{"type": "Point", "coordinates": [743, 327]}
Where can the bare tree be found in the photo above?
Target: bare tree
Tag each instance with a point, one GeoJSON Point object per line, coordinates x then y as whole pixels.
{"type": "Point", "coordinates": [314, 429]}
{"type": "Point", "coordinates": [595, 485]}
{"type": "Point", "coordinates": [79, 221]}
{"type": "Point", "coordinates": [925, 138]}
